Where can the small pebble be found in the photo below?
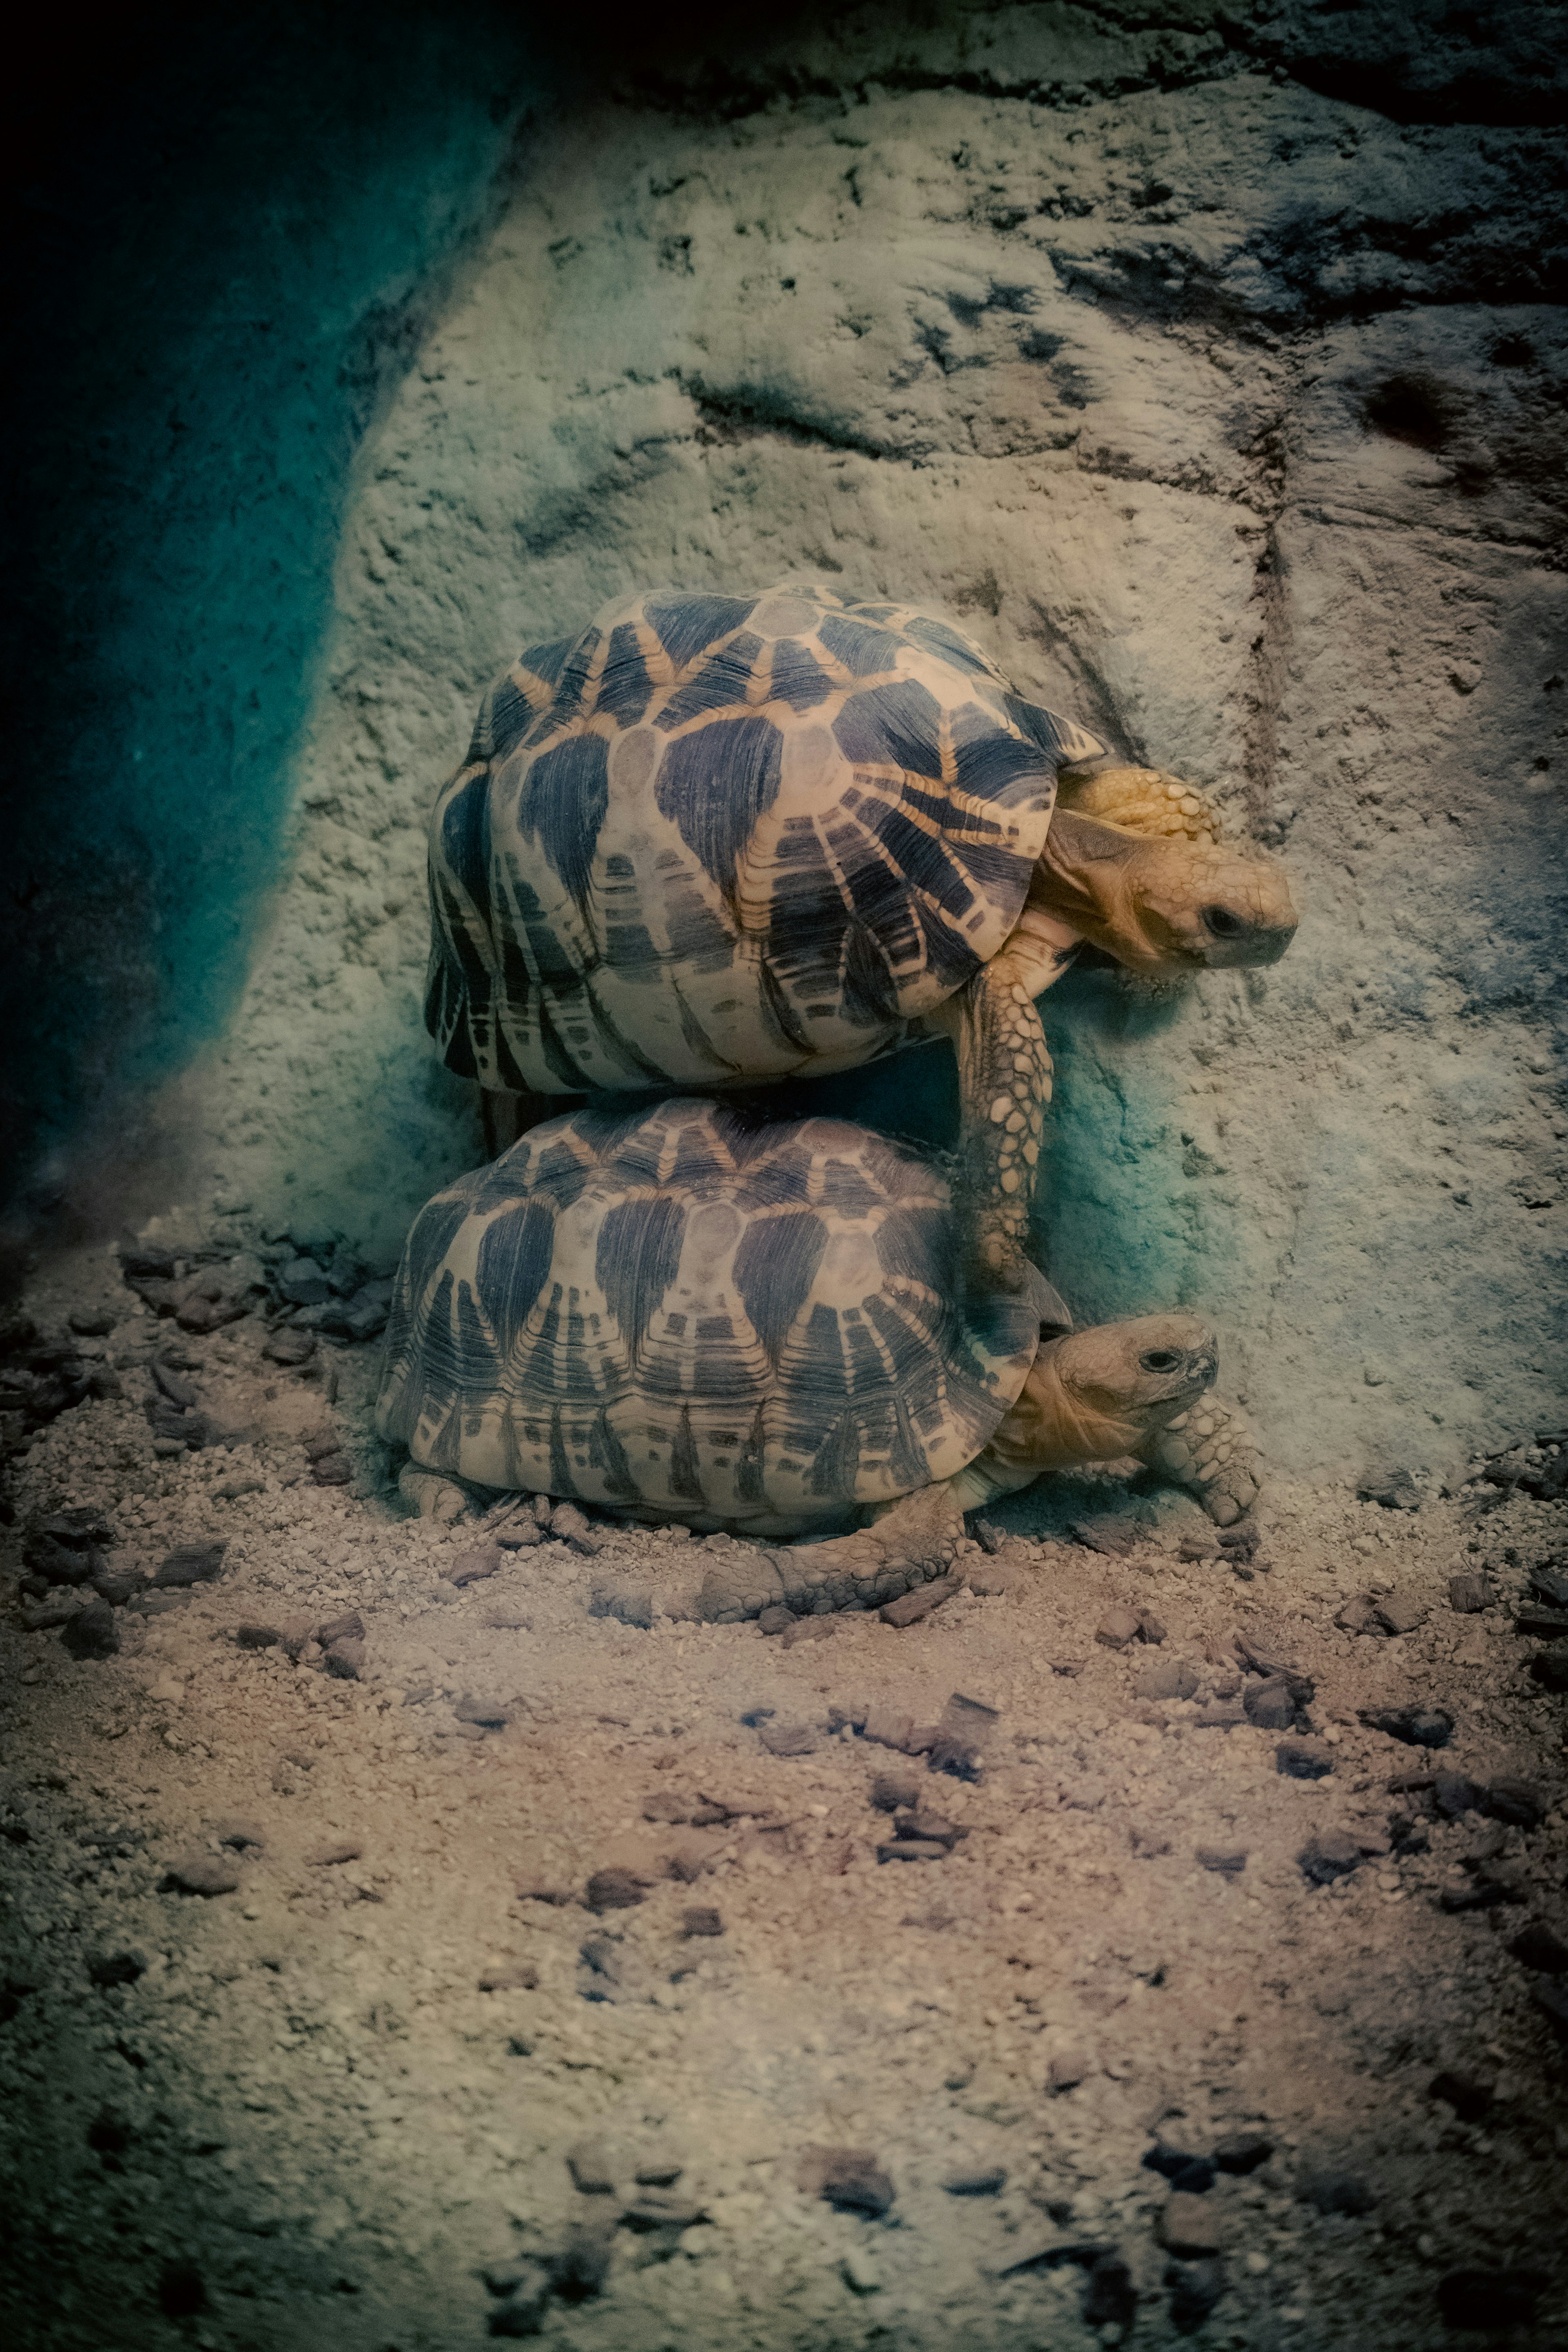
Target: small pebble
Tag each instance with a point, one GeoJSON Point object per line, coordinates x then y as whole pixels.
{"type": "Point", "coordinates": [1191, 2225]}
{"type": "Point", "coordinates": [346, 1660]}
{"type": "Point", "coordinates": [892, 1793]}
{"type": "Point", "coordinates": [334, 1851]}
{"type": "Point", "coordinates": [860, 2272]}
{"type": "Point", "coordinates": [1304, 1759]}
{"type": "Point", "coordinates": [257, 1637]}
{"type": "Point", "coordinates": [1335, 2192]}
{"type": "Point", "coordinates": [201, 1873]}
{"type": "Point", "coordinates": [240, 1834]}
{"type": "Point", "coordinates": [1401, 1612]}
{"type": "Point", "coordinates": [788, 1739]}
{"type": "Point", "coordinates": [592, 2167]}
{"type": "Point", "coordinates": [469, 1566]}
{"type": "Point", "coordinates": [1470, 1594]}
{"type": "Point", "coordinates": [910, 1607]}
{"type": "Point", "coordinates": [292, 1347]}
{"type": "Point", "coordinates": [1269, 1704]}
{"type": "Point", "coordinates": [118, 1967]}
{"type": "Point", "coordinates": [1418, 1727]}
{"type": "Point", "coordinates": [1542, 1947]}
{"type": "Point", "coordinates": [1117, 1628]}
{"type": "Point", "coordinates": [849, 2179]}
{"type": "Point", "coordinates": [1469, 2096]}
{"type": "Point", "coordinates": [700, 1919]}
{"type": "Point", "coordinates": [1195, 2287]}
{"type": "Point", "coordinates": [92, 1632]}
{"type": "Point", "coordinates": [912, 1849]}
{"type": "Point", "coordinates": [510, 1975]}
{"type": "Point", "coordinates": [614, 1890]}
{"type": "Point", "coordinates": [1242, 2152]}
{"type": "Point", "coordinates": [189, 1564]}
{"type": "Point", "coordinates": [1067, 2070]}
{"type": "Point", "coordinates": [1331, 1854]}
{"type": "Point", "coordinates": [1229, 1860]}
{"type": "Point", "coordinates": [1165, 1678]}
{"type": "Point", "coordinates": [989, 2183]}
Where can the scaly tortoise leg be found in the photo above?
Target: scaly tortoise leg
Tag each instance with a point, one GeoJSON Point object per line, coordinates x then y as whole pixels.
{"type": "Point", "coordinates": [915, 1539]}
{"type": "Point", "coordinates": [1004, 1084]}
{"type": "Point", "coordinates": [1209, 1450]}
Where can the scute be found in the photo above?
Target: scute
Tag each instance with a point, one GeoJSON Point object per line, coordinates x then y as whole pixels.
{"type": "Point", "coordinates": [687, 848]}
{"type": "Point", "coordinates": [685, 1308]}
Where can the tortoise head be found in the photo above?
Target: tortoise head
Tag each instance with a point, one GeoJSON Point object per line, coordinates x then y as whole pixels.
{"type": "Point", "coordinates": [1097, 1394]}
{"type": "Point", "coordinates": [1165, 904]}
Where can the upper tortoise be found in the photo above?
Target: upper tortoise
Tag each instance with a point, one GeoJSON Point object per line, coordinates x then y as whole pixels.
{"type": "Point", "coordinates": [721, 839]}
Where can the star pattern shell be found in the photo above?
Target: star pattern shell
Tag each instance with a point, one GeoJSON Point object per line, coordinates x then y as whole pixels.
{"type": "Point", "coordinates": [726, 836]}
{"type": "Point", "coordinates": [684, 1308]}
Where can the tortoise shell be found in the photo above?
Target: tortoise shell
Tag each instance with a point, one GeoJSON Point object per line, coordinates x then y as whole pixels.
{"type": "Point", "coordinates": [725, 837]}
{"type": "Point", "coordinates": [683, 1310]}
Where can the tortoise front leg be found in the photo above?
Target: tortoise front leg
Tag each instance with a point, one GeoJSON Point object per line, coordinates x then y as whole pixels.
{"type": "Point", "coordinates": [1209, 1450]}
{"type": "Point", "coordinates": [1004, 1084]}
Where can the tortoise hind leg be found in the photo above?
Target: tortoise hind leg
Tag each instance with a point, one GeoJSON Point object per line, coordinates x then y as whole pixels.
{"type": "Point", "coordinates": [915, 1539]}
{"type": "Point", "coordinates": [1004, 1084]}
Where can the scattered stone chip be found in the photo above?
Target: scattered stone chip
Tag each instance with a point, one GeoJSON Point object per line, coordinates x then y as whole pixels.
{"type": "Point", "coordinates": [1191, 2225]}
{"type": "Point", "coordinates": [788, 1739]}
{"type": "Point", "coordinates": [1304, 1759]}
{"type": "Point", "coordinates": [1269, 1704]}
{"type": "Point", "coordinates": [615, 1890]}
{"type": "Point", "coordinates": [1401, 1612]}
{"type": "Point", "coordinates": [200, 1874]}
{"type": "Point", "coordinates": [988, 2181]}
{"type": "Point", "coordinates": [1470, 1594]}
{"type": "Point", "coordinates": [333, 1850]}
{"type": "Point", "coordinates": [1117, 1628]}
{"type": "Point", "coordinates": [849, 2179]}
{"type": "Point", "coordinates": [189, 1564]}
{"type": "Point", "coordinates": [700, 1919]}
{"type": "Point", "coordinates": [92, 1632]}
{"type": "Point", "coordinates": [469, 1566]}
{"type": "Point", "coordinates": [1418, 1727]}
{"type": "Point", "coordinates": [910, 1607]}
{"type": "Point", "coordinates": [1333, 1853]}
{"type": "Point", "coordinates": [1242, 2152]}
{"type": "Point", "coordinates": [1230, 1861]}
{"type": "Point", "coordinates": [1469, 2096]}
{"type": "Point", "coordinates": [509, 1976]}
{"type": "Point", "coordinates": [1067, 2069]}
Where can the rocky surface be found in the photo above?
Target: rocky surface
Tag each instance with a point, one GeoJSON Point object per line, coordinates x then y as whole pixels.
{"type": "Point", "coordinates": [540, 1974]}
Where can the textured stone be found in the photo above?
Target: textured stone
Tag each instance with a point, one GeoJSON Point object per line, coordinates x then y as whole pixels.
{"type": "Point", "coordinates": [1191, 2225]}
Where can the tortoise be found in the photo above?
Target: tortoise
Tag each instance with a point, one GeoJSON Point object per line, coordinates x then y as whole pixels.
{"type": "Point", "coordinates": [682, 1313]}
{"type": "Point", "coordinates": [722, 839]}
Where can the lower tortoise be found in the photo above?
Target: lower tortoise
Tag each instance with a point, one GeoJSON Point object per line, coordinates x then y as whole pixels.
{"type": "Point", "coordinates": [681, 1314]}
{"type": "Point", "coordinates": [718, 840]}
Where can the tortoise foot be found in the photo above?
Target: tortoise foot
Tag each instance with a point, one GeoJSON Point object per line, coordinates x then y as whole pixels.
{"type": "Point", "coordinates": [1209, 1450]}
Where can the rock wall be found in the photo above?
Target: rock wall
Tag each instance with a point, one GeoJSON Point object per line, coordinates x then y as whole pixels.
{"type": "Point", "coordinates": [1230, 412]}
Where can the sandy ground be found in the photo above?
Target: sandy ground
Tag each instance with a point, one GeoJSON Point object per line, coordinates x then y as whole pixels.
{"type": "Point", "coordinates": [297, 2119]}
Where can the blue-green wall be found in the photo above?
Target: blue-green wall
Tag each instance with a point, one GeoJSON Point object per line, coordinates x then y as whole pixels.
{"type": "Point", "coordinates": [228, 242]}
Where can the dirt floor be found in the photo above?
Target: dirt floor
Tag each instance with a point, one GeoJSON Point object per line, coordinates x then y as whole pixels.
{"type": "Point", "coordinates": [393, 2083]}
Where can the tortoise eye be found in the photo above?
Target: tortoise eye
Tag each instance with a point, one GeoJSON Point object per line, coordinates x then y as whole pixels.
{"type": "Point", "coordinates": [1160, 1360]}
{"type": "Point", "coordinates": [1223, 923]}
